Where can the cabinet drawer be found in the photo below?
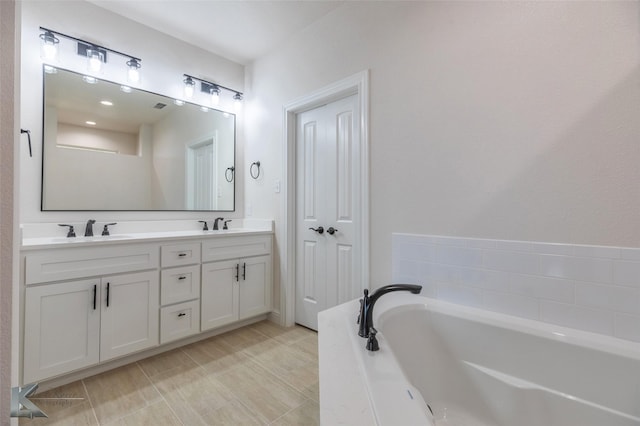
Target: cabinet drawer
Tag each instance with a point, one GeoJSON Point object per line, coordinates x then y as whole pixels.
{"type": "Point", "coordinates": [70, 263]}
{"type": "Point", "coordinates": [179, 284]}
{"type": "Point", "coordinates": [180, 254]}
{"type": "Point", "coordinates": [179, 321]}
{"type": "Point", "coordinates": [235, 247]}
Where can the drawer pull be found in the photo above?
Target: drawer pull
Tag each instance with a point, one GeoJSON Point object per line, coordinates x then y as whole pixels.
{"type": "Point", "coordinates": [181, 314]}
{"type": "Point", "coordinates": [182, 278]}
{"type": "Point", "coordinates": [182, 254]}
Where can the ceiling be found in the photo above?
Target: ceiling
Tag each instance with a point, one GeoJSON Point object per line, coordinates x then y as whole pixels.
{"type": "Point", "coordinates": [237, 30]}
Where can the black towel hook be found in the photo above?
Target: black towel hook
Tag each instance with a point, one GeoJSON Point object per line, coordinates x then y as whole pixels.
{"type": "Point", "coordinates": [257, 164]}
{"type": "Point", "coordinates": [28, 132]}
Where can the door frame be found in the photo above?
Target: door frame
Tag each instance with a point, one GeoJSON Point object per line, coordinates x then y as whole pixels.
{"type": "Point", "coordinates": [189, 156]}
{"type": "Point", "coordinates": [357, 84]}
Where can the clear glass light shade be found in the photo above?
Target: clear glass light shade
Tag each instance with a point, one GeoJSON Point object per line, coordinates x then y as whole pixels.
{"type": "Point", "coordinates": [215, 97]}
{"type": "Point", "coordinates": [133, 73]}
{"type": "Point", "coordinates": [94, 60]}
{"type": "Point", "coordinates": [48, 46]}
{"type": "Point", "coordinates": [189, 86]}
{"type": "Point", "coordinates": [237, 102]}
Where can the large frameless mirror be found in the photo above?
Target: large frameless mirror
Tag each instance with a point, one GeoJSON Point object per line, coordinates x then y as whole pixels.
{"type": "Point", "coordinates": [109, 149]}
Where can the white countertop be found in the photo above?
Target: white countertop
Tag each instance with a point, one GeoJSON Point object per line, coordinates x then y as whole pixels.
{"type": "Point", "coordinates": [58, 242]}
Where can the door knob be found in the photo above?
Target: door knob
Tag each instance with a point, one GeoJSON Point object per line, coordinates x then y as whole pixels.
{"type": "Point", "coordinates": [331, 230]}
{"type": "Point", "coordinates": [319, 229]}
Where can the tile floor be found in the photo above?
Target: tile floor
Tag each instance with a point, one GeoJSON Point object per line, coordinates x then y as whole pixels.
{"type": "Point", "coordinates": [261, 374]}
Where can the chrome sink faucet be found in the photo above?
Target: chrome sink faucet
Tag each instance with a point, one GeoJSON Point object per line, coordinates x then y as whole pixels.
{"type": "Point", "coordinates": [365, 318]}
{"type": "Point", "coordinates": [88, 231]}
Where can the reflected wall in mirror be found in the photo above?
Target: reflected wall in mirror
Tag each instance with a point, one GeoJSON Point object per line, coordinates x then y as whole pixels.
{"type": "Point", "coordinates": [107, 149]}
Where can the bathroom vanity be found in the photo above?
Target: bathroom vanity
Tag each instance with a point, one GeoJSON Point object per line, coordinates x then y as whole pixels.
{"type": "Point", "coordinates": [88, 301]}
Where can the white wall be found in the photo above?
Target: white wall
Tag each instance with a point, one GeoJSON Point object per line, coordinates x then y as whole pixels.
{"type": "Point", "coordinates": [164, 60]}
{"type": "Point", "coordinates": [507, 120]}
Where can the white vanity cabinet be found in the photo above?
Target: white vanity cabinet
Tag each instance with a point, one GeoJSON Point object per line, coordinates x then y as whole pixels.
{"type": "Point", "coordinates": [235, 288]}
{"type": "Point", "coordinates": [87, 304]}
{"type": "Point", "coordinates": [75, 324]}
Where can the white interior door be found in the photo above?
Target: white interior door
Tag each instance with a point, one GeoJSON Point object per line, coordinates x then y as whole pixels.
{"type": "Point", "coordinates": [328, 196]}
{"type": "Point", "coordinates": [203, 177]}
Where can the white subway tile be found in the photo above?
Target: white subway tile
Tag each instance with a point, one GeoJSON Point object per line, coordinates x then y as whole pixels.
{"type": "Point", "coordinates": [429, 290]}
{"type": "Point", "coordinates": [540, 287]}
{"type": "Point", "coordinates": [627, 327]}
{"type": "Point", "coordinates": [449, 241]}
{"type": "Point", "coordinates": [514, 245]}
{"type": "Point", "coordinates": [520, 262]}
{"type": "Point", "coordinates": [597, 251]}
{"type": "Point", "coordinates": [626, 273]}
{"type": "Point", "coordinates": [406, 271]}
{"type": "Point", "coordinates": [484, 278]}
{"type": "Point", "coordinates": [444, 273]}
{"type": "Point", "coordinates": [552, 248]}
{"type": "Point", "coordinates": [415, 251]}
{"type": "Point", "coordinates": [459, 256]}
{"type": "Point", "coordinates": [454, 293]}
{"type": "Point", "coordinates": [478, 243]}
{"type": "Point", "coordinates": [577, 268]}
{"type": "Point", "coordinates": [614, 298]}
{"type": "Point", "coordinates": [587, 319]}
{"type": "Point", "coordinates": [630, 253]}
{"type": "Point", "coordinates": [511, 304]}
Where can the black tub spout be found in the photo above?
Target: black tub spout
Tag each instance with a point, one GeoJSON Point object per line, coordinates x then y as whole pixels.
{"type": "Point", "coordinates": [365, 319]}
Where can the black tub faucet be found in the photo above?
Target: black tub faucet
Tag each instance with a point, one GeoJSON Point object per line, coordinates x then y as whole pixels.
{"type": "Point", "coordinates": [215, 223]}
{"type": "Point", "coordinates": [88, 231]}
{"type": "Point", "coordinates": [365, 318]}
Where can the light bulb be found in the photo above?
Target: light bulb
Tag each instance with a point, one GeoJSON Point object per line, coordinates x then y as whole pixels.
{"type": "Point", "coordinates": [94, 60]}
{"type": "Point", "coordinates": [237, 101]}
{"type": "Point", "coordinates": [133, 74]}
{"type": "Point", "coordinates": [215, 96]}
{"type": "Point", "coordinates": [189, 85]}
{"type": "Point", "coordinates": [49, 46]}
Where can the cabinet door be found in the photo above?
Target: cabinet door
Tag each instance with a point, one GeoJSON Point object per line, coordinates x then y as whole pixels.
{"type": "Point", "coordinates": [255, 286]}
{"type": "Point", "coordinates": [61, 329]}
{"type": "Point", "coordinates": [219, 294]}
{"type": "Point", "coordinates": [130, 314]}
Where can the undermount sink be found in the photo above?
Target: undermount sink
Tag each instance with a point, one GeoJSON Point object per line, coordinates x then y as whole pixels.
{"type": "Point", "coordinates": [81, 239]}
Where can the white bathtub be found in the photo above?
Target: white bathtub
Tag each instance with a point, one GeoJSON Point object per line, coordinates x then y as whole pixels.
{"type": "Point", "coordinates": [473, 367]}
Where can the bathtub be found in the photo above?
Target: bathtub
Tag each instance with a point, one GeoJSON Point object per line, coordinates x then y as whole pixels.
{"type": "Point", "coordinates": [445, 364]}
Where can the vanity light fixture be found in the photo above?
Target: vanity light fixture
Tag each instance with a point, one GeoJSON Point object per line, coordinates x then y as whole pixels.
{"type": "Point", "coordinates": [49, 45]}
{"type": "Point", "coordinates": [95, 59]}
{"type": "Point", "coordinates": [133, 75]}
{"type": "Point", "coordinates": [237, 101]}
{"type": "Point", "coordinates": [212, 89]}
{"type": "Point", "coordinates": [189, 84]}
{"type": "Point", "coordinates": [96, 55]}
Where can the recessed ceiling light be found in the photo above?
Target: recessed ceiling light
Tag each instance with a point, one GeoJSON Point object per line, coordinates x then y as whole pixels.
{"type": "Point", "coordinates": [91, 123]}
{"type": "Point", "coordinates": [125, 89]}
{"type": "Point", "coordinates": [106, 103]}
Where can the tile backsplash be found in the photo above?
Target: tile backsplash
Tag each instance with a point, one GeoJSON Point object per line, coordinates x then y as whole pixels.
{"type": "Point", "coordinates": [591, 288]}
